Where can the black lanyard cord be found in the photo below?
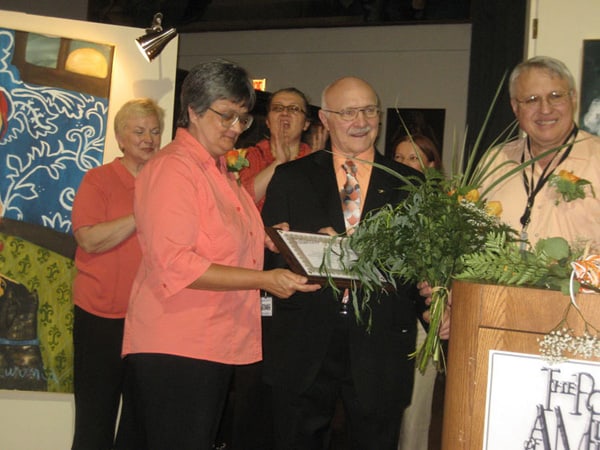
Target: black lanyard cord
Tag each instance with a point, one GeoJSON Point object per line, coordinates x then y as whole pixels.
{"type": "Point", "coordinates": [533, 190]}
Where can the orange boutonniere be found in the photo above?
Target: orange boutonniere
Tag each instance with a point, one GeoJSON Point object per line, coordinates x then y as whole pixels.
{"type": "Point", "coordinates": [236, 161]}
{"type": "Point", "coordinates": [569, 186]}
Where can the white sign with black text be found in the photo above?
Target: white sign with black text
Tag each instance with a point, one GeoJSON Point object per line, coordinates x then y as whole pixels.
{"type": "Point", "coordinates": [534, 405]}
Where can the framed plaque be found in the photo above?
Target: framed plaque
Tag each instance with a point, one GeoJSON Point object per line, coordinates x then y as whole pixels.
{"type": "Point", "coordinates": [309, 253]}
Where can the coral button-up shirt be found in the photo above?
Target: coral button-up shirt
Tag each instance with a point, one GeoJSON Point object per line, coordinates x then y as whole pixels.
{"type": "Point", "coordinates": [191, 213]}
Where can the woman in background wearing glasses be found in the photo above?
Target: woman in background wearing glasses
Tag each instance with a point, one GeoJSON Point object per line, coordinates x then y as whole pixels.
{"type": "Point", "coordinates": [287, 119]}
{"type": "Point", "coordinates": [194, 311]}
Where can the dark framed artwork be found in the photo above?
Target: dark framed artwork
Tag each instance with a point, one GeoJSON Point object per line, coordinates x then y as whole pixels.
{"type": "Point", "coordinates": [426, 121]}
{"type": "Point", "coordinates": [589, 108]}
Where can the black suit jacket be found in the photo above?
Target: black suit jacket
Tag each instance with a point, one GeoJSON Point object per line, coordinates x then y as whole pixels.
{"type": "Point", "coordinates": [304, 193]}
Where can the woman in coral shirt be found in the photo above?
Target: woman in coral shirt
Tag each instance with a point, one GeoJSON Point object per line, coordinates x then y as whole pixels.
{"type": "Point", "coordinates": [194, 311]}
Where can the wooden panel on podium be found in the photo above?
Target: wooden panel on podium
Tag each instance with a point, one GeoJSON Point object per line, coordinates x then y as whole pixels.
{"type": "Point", "coordinates": [490, 317]}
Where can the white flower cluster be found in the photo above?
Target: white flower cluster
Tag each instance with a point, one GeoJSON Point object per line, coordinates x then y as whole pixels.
{"type": "Point", "coordinates": [555, 346]}
{"type": "Point", "coordinates": [586, 346]}
{"type": "Point", "coordinates": [483, 218]}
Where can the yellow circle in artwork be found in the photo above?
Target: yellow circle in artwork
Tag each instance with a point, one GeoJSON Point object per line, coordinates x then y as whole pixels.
{"type": "Point", "coordinates": [87, 61]}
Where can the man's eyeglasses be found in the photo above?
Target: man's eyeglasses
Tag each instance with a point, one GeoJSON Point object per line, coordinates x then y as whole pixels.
{"type": "Point", "coordinates": [349, 114]}
{"type": "Point", "coordinates": [554, 98]}
{"type": "Point", "coordinates": [290, 109]}
{"type": "Point", "coordinates": [230, 118]}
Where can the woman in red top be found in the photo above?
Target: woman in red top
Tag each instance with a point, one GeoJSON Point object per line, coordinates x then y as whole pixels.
{"type": "Point", "coordinates": [107, 258]}
{"type": "Point", "coordinates": [287, 119]}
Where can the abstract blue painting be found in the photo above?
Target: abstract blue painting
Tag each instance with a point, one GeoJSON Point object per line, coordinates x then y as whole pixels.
{"type": "Point", "coordinates": [49, 137]}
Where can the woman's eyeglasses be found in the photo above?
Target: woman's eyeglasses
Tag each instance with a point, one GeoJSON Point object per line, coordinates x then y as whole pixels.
{"type": "Point", "coordinates": [290, 109]}
{"type": "Point", "coordinates": [230, 118]}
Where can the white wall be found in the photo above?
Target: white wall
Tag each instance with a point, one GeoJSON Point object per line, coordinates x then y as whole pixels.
{"type": "Point", "coordinates": [35, 421]}
{"type": "Point", "coordinates": [44, 421]}
{"type": "Point", "coordinates": [420, 66]}
{"type": "Point", "coordinates": [562, 28]}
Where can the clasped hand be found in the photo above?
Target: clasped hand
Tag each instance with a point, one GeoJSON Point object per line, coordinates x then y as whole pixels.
{"type": "Point", "coordinates": [425, 291]}
{"type": "Point", "coordinates": [283, 283]}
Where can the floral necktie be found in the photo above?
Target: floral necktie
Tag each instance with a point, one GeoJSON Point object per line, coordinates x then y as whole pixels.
{"type": "Point", "coordinates": [350, 195]}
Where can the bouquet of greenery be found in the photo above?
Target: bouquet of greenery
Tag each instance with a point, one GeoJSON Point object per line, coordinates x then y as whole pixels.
{"type": "Point", "coordinates": [548, 265]}
{"type": "Point", "coordinates": [424, 238]}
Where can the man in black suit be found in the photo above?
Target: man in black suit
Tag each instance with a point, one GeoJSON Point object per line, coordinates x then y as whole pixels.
{"type": "Point", "coordinates": [316, 355]}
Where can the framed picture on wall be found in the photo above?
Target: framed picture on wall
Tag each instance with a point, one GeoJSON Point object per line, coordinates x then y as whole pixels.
{"type": "Point", "coordinates": [428, 122]}
{"type": "Point", "coordinates": [589, 108]}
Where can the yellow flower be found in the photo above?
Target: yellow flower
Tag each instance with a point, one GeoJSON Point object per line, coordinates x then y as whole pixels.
{"type": "Point", "coordinates": [568, 176]}
{"type": "Point", "coordinates": [472, 196]}
{"type": "Point", "coordinates": [494, 208]}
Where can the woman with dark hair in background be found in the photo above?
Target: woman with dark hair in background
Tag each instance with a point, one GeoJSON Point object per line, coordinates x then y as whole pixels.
{"type": "Point", "coordinates": [418, 152]}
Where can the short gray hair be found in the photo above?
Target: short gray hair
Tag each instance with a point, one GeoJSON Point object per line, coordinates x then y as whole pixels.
{"type": "Point", "coordinates": [212, 81]}
{"type": "Point", "coordinates": [552, 65]}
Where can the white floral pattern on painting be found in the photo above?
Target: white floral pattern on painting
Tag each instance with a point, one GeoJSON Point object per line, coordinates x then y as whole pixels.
{"type": "Point", "coordinates": [49, 138]}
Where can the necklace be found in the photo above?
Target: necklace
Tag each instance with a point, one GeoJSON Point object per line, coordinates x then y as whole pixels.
{"type": "Point", "coordinates": [532, 189]}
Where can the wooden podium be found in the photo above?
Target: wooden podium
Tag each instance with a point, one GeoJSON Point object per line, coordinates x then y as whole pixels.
{"type": "Point", "coordinates": [490, 317]}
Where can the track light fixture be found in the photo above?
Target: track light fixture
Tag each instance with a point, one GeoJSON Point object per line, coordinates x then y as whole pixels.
{"type": "Point", "coordinates": [155, 39]}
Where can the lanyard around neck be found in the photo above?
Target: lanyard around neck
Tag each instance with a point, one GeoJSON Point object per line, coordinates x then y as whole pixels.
{"type": "Point", "coordinates": [532, 189]}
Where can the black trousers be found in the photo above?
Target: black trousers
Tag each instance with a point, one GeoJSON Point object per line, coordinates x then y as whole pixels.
{"type": "Point", "coordinates": [98, 379]}
{"type": "Point", "coordinates": [303, 421]}
{"type": "Point", "coordinates": [172, 402]}
{"type": "Point", "coordinates": [248, 422]}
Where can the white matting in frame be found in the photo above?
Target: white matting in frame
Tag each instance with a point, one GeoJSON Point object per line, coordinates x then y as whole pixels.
{"type": "Point", "coordinates": [310, 251]}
